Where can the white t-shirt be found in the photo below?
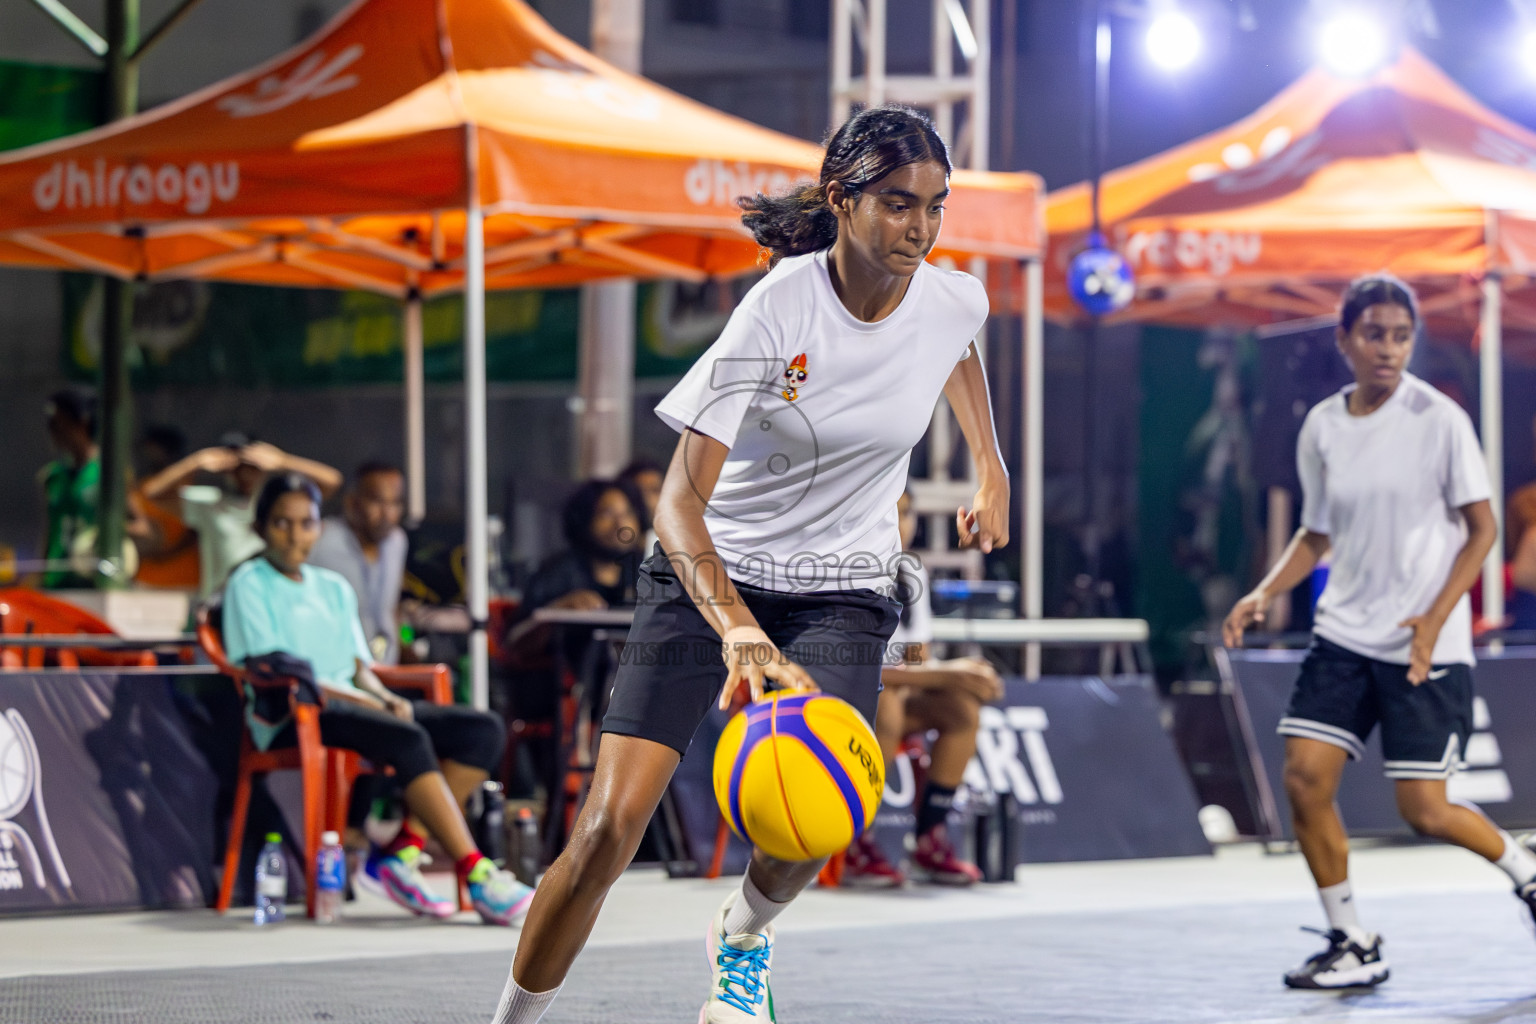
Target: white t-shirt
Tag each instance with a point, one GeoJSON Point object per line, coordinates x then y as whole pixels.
{"type": "Point", "coordinates": [225, 537]}
{"type": "Point", "coordinates": [820, 412]}
{"type": "Point", "coordinates": [1386, 489]}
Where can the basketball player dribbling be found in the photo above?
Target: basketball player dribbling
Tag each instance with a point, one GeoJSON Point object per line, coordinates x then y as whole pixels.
{"type": "Point", "coordinates": [777, 532]}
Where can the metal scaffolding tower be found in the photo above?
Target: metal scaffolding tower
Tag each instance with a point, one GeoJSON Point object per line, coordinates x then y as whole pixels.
{"type": "Point", "coordinates": [952, 90]}
{"type": "Point", "coordinates": [948, 93]}
{"type": "Point", "coordinates": [963, 29]}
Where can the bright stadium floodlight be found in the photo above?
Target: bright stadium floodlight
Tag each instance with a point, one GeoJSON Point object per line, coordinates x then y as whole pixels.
{"type": "Point", "coordinates": [1173, 41]}
{"type": "Point", "coordinates": [1352, 44]}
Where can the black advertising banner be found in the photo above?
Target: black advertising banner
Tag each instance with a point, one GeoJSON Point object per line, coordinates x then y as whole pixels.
{"type": "Point", "coordinates": [104, 801]}
{"type": "Point", "coordinates": [1087, 763]}
{"type": "Point", "coordinates": [1500, 776]}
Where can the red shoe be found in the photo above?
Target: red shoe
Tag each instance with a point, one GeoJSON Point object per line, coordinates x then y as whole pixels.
{"type": "Point", "coordinates": [935, 860]}
{"type": "Point", "coordinates": [864, 866]}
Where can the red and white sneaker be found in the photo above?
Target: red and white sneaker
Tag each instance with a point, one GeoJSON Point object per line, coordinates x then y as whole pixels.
{"type": "Point", "coordinates": [935, 860]}
{"type": "Point", "coordinates": [865, 867]}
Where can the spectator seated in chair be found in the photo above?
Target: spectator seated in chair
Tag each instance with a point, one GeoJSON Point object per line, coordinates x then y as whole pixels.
{"type": "Point", "coordinates": [275, 602]}
{"type": "Point", "coordinates": [597, 570]}
{"type": "Point", "coordinates": [921, 695]}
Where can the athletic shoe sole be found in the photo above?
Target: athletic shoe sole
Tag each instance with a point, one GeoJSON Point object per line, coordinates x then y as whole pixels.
{"type": "Point", "coordinates": [1364, 976]}
{"type": "Point", "coordinates": [953, 878]}
{"type": "Point", "coordinates": [517, 913]}
{"type": "Point", "coordinates": [869, 882]}
{"type": "Point", "coordinates": [378, 887]}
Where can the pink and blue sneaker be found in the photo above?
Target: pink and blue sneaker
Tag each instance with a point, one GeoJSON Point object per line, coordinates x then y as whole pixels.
{"type": "Point", "coordinates": [397, 875]}
{"type": "Point", "coordinates": [497, 895]}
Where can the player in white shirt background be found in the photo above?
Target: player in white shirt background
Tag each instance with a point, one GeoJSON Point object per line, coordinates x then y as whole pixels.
{"type": "Point", "coordinates": [777, 527]}
{"type": "Point", "coordinates": [1394, 484]}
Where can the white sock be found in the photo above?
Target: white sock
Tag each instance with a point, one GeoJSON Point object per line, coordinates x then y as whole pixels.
{"type": "Point", "coordinates": [1339, 905]}
{"type": "Point", "coordinates": [752, 911]}
{"type": "Point", "coordinates": [1517, 862]}
{"type": "Point", "coordinates": [519, 1006]}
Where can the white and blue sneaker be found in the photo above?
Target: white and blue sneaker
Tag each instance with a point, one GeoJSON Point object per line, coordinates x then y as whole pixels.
{"type": "Point", "coordinates": [1346, 963]}
{"type": "Point", "coordinates": [1527, 894]}
{"type": "Point", "coordinates": [739, 993]}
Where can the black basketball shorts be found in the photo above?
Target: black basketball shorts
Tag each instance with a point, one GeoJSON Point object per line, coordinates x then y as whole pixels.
{"type": "Point", "coordinates": [671, 670]}
{"type": "Point", "coordinates": [1341, 696]}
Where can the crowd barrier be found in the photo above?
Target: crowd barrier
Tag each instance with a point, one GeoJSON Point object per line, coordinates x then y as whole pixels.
{"type": "Point", "coordinates": [106, 801]}
{"type": "Point", "coordinates": [1500, 773]}
{"type": "Point", "coordinates": [109, 783]}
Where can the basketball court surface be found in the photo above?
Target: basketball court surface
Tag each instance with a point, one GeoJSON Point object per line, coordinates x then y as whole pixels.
{"type": "Point", "coordinates": [1144, 942]}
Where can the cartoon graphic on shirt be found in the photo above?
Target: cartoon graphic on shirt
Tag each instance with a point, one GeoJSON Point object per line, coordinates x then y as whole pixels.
{"type": "Point", "coordinates": [794, 378]}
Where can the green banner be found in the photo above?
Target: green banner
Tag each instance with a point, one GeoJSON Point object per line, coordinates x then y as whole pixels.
{"type": "Point", "coordinates": [1197, 513]}
{"type": "Point", "coordinates": [40, 102]}
{"type": "Point", "coordinates": [197, 333]}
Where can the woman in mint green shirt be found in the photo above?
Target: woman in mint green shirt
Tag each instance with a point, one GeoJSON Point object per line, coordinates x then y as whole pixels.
{"type": "Point", "coordinates": [275, 602]}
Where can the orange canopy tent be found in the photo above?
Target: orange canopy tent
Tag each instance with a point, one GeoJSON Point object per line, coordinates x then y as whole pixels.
{"type": "Point", "coordinates": [1266, 220]}
{"type": "Point", "coordinates": [414, 147]}
{"type": "Point", "coordinates": [350, 161]}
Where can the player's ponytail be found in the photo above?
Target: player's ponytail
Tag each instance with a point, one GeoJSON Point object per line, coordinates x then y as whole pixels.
{"type": "Point", "coordinates": [873, 143]}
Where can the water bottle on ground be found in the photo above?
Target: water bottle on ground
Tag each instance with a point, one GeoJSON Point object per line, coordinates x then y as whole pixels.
{"type": "Point", "coordinates": [528, 847]}
{"type": "Point", "coordinates": [330, 878]}
{"type": "Point", "coordinates": [271, 881]}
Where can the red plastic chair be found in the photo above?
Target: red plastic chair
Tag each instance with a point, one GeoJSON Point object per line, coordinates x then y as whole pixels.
{"type": "Point", "coordinates": [327, 773]}
{"type": "Point", "coordinates": [23, 610]}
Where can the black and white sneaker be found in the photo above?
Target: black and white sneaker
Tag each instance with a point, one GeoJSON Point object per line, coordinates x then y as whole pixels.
{"type": "Point", "coordinates": [1344, 964]}
{"type": "Point", "coordinates": [1527, 895]}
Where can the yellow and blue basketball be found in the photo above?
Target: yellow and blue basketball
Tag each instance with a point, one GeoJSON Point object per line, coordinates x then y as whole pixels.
{"type": "Point", "coordinates": [799, 775]}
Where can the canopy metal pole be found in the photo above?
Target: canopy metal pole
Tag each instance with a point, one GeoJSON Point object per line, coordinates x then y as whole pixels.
{"type": "Point", "coordinates": [116, 396]}
{"type": "Point", "coordinates": [476, 535]}
{"type": "Point", "coordinates": [606, 387]}
{"type": "Point", "coordinates": [605, 412]}
{"type": "Point", "coordinates": [1491, 363]}
{"type": "Point", "coordinates": [415, 412]}
{"type": "Point", "coordinates": [1033, 419]}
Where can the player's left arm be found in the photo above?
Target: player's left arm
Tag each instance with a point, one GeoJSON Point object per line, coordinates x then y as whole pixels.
{"type": "Point", "coordinates": [985, 523]}
{"type": "Point", "coordinates": [1482, 532]}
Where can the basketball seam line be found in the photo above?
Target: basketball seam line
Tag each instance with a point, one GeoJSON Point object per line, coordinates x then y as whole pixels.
{"type": "Point", "coordinates": [778, 768]}
{"type": "Point", "coordinates": [835, 771]}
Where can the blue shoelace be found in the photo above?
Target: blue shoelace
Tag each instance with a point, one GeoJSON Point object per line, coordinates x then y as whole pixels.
{"type": "Point", "coordinates": [744, 970]}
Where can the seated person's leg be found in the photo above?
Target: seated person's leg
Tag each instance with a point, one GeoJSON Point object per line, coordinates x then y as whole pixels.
{"type": "Point", "coordinates": [467, 743]}
{"type": "Point", "coordinates": [890, 718]}
{"type": "Point", "coordinates": [955, 714]}
{"type": "Point", "coordinates": [407, 748]}
{"type": "Point", "coordinates": [865, 865]}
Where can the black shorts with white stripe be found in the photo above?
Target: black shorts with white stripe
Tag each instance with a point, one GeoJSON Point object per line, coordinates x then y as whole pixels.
{"type": "Point", "coordinates": [1340, 696]}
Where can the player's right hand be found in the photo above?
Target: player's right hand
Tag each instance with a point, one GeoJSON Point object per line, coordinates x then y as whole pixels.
{"type": "Point", "coordinates": [751, 659]}
{"type": "Point", "coordinates": [1247, 612]}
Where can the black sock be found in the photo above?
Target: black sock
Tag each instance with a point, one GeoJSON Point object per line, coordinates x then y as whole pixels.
{"type": "Point", "coordinates": [937, 800]}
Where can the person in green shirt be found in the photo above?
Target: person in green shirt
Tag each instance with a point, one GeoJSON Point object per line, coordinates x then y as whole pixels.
{"type": "Point", "coordinates": [70, 483]}
{"type": "Point", "coordinates": [274, 602]}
